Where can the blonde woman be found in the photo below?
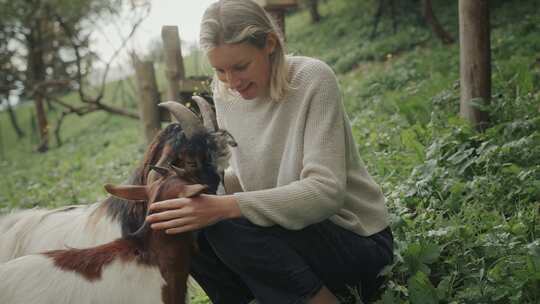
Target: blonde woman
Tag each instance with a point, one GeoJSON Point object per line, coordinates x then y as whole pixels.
{"type": "Point", "coordinates": [302, 220]}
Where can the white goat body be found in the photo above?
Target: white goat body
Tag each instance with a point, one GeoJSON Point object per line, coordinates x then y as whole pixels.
{"type": "Point", "coordinates": [37, 230]}
{"type": "Point", "coordinates": [34, 279]}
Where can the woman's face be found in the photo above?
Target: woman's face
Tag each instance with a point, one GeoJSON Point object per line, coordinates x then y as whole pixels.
{"type": "Point", "coordinates": [243, 67]}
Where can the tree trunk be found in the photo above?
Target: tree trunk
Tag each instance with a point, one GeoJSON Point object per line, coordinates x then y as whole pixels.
{"type": "Point", "coordinates": [475, 60]}
{"type": "Point", "coordinates": [13, 120]}
{"type": "Point", "coordinates": [314, 11]}
{"type": "Point", "coordinates": [36, 66]}
{"type": "Point", "coordinates": [379, 13]}
{"type": "Point", "coordinates": [43, 145]}
{"type": "Point", "coordinates": [436, 27]}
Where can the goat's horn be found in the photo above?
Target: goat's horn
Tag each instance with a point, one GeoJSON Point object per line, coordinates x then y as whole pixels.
{"type": "Point", "coordinates": [160, 170]}
{"type": "Point", "coordinates": [163, 161]}
{"type": "Point", "coordinates": [179, 171]}
{"type": "Point", "coordinates": [209, 118]}
{"type": "Point", "coordinates": [190, 123]}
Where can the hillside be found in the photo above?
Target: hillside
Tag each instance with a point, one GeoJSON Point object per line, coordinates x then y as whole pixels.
{"type": "Point", "coordinates": [464, 205]}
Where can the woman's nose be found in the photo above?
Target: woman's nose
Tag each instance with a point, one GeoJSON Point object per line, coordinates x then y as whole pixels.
{"type": "Point", "coordinates": [233, 80]}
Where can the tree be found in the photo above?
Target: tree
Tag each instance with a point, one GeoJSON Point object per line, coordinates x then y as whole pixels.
{"type": "Point", "coordinates": [10, 76]}
{"type": "Point", "coordinates": [313, 6]}
{"type": "Point", "coordinates": [425, 14]}
{"type": "Point", "coordinates": [475, 61]}
{"type": "Point", "coordinates": [431, 20]}
{"type": "Point", "coordinates": [380, 10]}
{"type": "Point", "coordinates": [54, 36]}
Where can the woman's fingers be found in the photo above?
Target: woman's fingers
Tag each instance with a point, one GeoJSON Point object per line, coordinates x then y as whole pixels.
{"type": "Point", "coordinates": [181, 229]}
{"type": "Point", "coordinates": [169, 204]}
{"type": "Point", "coordinates": [173, 224]}
{"type": "Point", "coordinates": [166, 215]}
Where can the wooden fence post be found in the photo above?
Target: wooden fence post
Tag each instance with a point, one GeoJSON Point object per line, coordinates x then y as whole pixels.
{"type": "Point", "coordinates": [174, 63]}
{"type": "Point", "coordinates": [277, 8]}
{"type": "Point", "coordinates": [148, 98]}
{"type": "Point", "coordinates": [475, 60]}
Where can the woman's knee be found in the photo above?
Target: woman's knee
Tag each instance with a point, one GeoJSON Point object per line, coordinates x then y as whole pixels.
{"type": "Point", "coordinates": [233, 236]}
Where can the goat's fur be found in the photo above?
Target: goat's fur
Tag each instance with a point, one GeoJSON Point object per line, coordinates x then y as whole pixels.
{"type": "Point", "coordinates": [36, 230]}
{"type": "Point", "coordinates": [48, 284]}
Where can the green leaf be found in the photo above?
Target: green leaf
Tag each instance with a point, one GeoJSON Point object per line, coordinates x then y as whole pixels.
{"type": "Point", "coordinates": [443, 289]}
{"type": "Point", "coordinates": [421, 291]}
{"type": "Point", "coordinates": [389, 297]}
{"type": "Point", "coordinates": [430, 253]}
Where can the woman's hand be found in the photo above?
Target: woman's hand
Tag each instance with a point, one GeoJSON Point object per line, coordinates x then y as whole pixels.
{"type": "Point", "coordinates": [186, 214]}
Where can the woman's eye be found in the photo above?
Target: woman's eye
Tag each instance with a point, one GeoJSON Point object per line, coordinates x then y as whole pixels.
{"type": "Point", "coordinates": [241, 67]}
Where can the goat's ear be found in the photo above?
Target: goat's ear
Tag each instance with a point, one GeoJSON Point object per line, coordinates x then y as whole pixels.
{"type": "Point", "coordinates": [194, 190]}
{"type": "Point", "coordinates": [129, 192]}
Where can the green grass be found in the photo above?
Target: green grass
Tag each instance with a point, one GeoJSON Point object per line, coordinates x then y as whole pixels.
{"type": "Point", "coordinates": [464, 205]}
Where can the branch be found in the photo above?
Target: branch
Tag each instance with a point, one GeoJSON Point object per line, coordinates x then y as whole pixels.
{"type": "Point", "coordinates": [94, 103]}
{"type": "Point", "coordinates": [122, 46]}
{"type": "Point", "coordinates": [427, 11]}
{"type": "Point", "coordinates": [41, 86]}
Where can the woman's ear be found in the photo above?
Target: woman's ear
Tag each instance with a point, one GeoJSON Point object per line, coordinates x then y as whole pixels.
{"type": "Point", "coordinates": [271, 43]}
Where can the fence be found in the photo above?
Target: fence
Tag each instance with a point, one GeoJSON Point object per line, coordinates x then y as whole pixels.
{"type": "Point", "coordinates": [179, 88]}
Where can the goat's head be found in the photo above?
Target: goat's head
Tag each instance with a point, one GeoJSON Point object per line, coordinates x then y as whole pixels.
{"type": "Point", "coordinates": [192, 144]}
{"type": "Point", "coordinates": [196, 146]}
{"type": "Point", "coordinates": [171, 253]}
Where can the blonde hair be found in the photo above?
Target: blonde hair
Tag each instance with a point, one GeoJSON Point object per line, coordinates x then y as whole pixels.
{"type": "Point", "coordinates": [239, 21]}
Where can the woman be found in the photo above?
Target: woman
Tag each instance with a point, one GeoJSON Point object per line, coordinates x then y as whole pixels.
{"type": "Point", "coordinates": [301, 219]}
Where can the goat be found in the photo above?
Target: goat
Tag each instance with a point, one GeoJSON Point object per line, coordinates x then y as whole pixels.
{"type": "Point", "coordinates": [199, 148]}
{"type": "Point", "coordinates": [146, 266]}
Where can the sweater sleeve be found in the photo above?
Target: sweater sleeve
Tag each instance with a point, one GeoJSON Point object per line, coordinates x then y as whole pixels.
{"type": "Point", "coordinates": [319, 192]}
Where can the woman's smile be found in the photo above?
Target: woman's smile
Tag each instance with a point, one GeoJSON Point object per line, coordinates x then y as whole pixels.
{"type": "Point", "coordinates": [244, 90]}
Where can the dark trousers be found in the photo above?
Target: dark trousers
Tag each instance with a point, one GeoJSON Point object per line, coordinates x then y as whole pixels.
{"type": "Point", "coordinates": [238, 261]}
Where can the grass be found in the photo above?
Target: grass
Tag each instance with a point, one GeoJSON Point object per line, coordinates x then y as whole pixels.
{"type": "Point", "coordinates": [464, 204]}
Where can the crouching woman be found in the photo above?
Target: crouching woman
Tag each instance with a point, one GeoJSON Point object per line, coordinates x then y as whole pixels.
{"type": "Point", "coordinates": [302, 220]}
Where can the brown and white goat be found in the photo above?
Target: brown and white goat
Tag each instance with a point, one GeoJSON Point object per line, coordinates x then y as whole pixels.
{"type": "Point", "coordinates": [146, 266]}
{"type": "Point", "coordinates": [196, 146]}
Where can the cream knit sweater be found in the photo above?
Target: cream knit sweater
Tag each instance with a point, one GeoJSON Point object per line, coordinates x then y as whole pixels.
{"type": "Point", "coordinates": [296, 162]}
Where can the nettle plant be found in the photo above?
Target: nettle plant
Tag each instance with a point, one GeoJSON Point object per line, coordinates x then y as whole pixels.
{"type": "Point", "coordinates": [466, 219]}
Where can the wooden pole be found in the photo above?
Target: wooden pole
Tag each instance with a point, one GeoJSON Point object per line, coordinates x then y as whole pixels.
{"type": "Point", "coordinates": [148, 98]}
{"type": "Point", "coordinates": [174, 64]}
{"type": "Point", "coordinates": [279, 16]}
{"type": "Point", "coordinates": [276, 9]}
{"type": "Point", "coordinates": [475, 60]}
